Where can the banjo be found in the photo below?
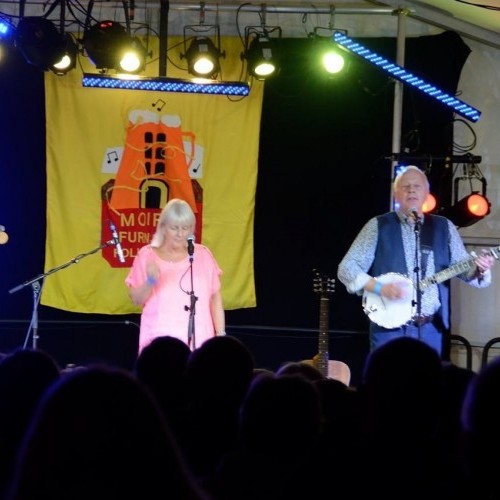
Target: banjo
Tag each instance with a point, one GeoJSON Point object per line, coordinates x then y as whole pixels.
{"type": "Point", "coordinates": [394, 313]}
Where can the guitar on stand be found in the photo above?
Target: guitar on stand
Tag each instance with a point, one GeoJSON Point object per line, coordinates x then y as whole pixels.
{"type": "Point", "coordinates": [338, 370]}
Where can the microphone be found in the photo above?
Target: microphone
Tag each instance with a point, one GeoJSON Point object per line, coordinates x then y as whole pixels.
{"type": "Point", "coordinates": [116, 242]}
{"type": "Point", "coordinates": [4, 237]}
{"type": "Point", "coordinates": [190, 240]}
{"type": "Point", "coordinates": [414, 213]}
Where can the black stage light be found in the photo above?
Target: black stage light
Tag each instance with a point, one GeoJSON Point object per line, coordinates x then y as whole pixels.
{"type": "Point", "coordinates": [203, 57]}
{"type": "Point", "coordinates": [468, 210]}
{"type": "Point", "coordinates": [261, 57]}
{"type": "Point", "coordinates": [109, 46]}
{"type": "Point", "coordinates": [40, 42]}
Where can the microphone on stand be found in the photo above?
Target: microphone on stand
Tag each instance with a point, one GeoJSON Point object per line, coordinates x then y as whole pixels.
{"type": "Point", "coordinates": [413, 212]}
{"type": "Point", "coordinates": [190, 242]}
{"type": "Point", "coordinates": [116, 242]}
{"type": "Point", "coordinates": [4, 237]}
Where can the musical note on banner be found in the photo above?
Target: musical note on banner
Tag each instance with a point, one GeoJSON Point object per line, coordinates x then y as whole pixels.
{"type": "Point", "coordinates": [112, 156]}
{"type": "Point", "coordinates": [159, 104]}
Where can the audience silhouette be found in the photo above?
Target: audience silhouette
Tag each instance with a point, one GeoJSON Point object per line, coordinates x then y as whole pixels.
{"type": "Point", "coordinates": [400, 397]}
{"type": "Point", "coordinates": [210, 425]}
{"type": "Point", "coordinates": [480, 417]}
{"type": "Point", "coordinates": [24, 376]}
{"type": "Point", "coordinates": [98, 434]}
{"type": "Point", "coordinates": [279, 428]}
{"type": "Point", "coordinates": [160, 366]}
{"type": "Point", "coordinates": [217, 377]}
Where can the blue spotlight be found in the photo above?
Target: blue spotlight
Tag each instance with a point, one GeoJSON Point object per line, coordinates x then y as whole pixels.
{"type": "Point", "coordinates": [163, 84]}
{"type": "Point", "coordinates": [6, 30]}
{"type": "Point", "coordinates": [401, 74]}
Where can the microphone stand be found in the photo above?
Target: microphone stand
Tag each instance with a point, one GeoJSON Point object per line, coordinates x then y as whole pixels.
{"type": "Point", "coordinates": [35, 285]}
{"type": "Point", "coordinates": [191, 309]}
{"type": "Point", "coordinates": [416, 272]}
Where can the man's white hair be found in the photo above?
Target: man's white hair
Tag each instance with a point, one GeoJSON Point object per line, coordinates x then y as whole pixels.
{"type": "Point", "coordinates": [409, 168]}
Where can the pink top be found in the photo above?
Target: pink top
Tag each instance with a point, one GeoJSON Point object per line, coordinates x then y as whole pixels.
{"type": "Point", "coordinates": [164, 312]}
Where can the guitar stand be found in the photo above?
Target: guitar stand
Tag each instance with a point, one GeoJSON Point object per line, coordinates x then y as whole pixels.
{"type": "Point", "coordinates": [37, 288]}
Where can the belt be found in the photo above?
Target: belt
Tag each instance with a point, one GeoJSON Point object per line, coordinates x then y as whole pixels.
{"type": "Point", "coordinates": [422, 319]}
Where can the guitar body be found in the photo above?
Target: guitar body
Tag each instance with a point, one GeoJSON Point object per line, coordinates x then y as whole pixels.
{"type": "Point", "coordinates": [337, 370]}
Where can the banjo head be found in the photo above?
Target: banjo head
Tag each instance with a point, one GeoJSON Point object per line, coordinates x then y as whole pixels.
{"type": "Point", "coordinates": [386, 312]}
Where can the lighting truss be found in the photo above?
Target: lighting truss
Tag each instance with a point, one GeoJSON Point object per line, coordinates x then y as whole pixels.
{"type": "Point", "coordinates": [164, 84]}
{"type": "Point", "coordinates": [405, 76]}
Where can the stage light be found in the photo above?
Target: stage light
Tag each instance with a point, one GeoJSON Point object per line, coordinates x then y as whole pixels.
{"type": "Point", "coordinates": [329, 59]}
{"type": "Point", "coordinates": [110, 47]}
{"type": "Point", "coordinates": [164, 84]}
{"type": "Point", "coordinates": [203, 57]}
{"type": "Point", "coordinates": [6, 30]}
{"type": "Point", "coordinates": [261, 58]}
{"type": "Point", "coordinates": [6, 37]}
{"type": "Point", "coordinates": [69, 57]}
{"type": "Point", "coordinates": [327, 56]}
{"type": "Point", "coordinates": [261, 51]}
{"type": "Point", "coordinates": [40, 42]}
{"type": "Point", "coordinates": [430, 204]}
{"type": "Point", "coordinates": [204, 49]}
{"type": "Point", "coordinates": [468, 210]}
{"type": "Point", "coordinates": [474, 206]}
{"type": "Point", "coordinates": [405, 76]}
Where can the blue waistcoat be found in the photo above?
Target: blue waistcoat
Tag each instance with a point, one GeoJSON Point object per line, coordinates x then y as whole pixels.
{"type": "Point", "coordinates": [389, 254]}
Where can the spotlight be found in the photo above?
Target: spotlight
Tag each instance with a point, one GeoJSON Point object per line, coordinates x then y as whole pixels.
{"type": "Point", "coordinates": [261, 51]}
{"type": "Point", "coordinates": [40, 42]}
{"type": "Point", "coordinates": [261, 58]}
{"type": "Point", "coordinates": [430, 204]}
{"type": "Point", "coordinates": [6, 30]}
{"type": "Point", "coordinates": [109, 46]}
{"type": "Point", "coordinates": [203, 58]}
{"type": "Point", "coordinates": [204, 50]}
{"type": "Point", "coordinates": [468, 210]}
{"type": "Point", "coordinates": [327, 57]}
{"type": "Point", "coordinates": [473, 207]}
{"type": "Point", "coordinates": [69, 56]}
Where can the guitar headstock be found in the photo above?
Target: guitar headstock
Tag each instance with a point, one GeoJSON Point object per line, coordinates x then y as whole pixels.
{"type": "Point", "coordinates": [323, 284]}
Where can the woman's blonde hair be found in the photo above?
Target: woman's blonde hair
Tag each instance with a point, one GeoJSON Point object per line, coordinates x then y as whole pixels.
{"type": "Point", "coordinates": [176, 211]}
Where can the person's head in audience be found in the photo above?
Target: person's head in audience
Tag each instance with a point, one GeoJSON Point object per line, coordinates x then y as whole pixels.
{"type": "Point", "coordinates": [480, 416]}
{"type": "Point", "coordinates": [400, 387]}
{"type": "Point", "coordinates": [24, 376]}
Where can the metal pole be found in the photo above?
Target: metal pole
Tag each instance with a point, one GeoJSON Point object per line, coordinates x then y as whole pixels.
{"type": "Point", "coordinates": [397, 115]}
{"type": "Point", "coordinates": [162, 61]}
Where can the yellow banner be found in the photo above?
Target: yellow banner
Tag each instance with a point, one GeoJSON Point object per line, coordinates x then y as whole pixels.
{"type": "Point", "coordinates": [114, 157]}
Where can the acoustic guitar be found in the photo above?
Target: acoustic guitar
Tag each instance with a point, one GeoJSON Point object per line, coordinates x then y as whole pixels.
{"type": "Point", "coordinates": [338, 370]}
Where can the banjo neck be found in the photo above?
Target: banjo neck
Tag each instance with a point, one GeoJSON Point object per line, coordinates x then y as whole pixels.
{"type": "Point", "coordinates": [455, 269]}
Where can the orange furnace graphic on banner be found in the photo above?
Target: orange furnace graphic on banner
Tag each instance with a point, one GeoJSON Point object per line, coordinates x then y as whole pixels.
{"type": "Point", "coordinates": [153, 167]}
